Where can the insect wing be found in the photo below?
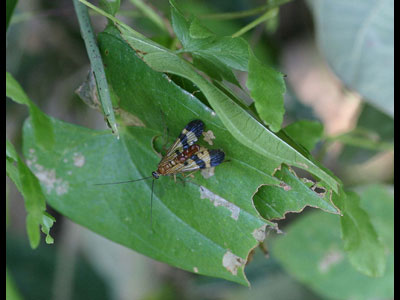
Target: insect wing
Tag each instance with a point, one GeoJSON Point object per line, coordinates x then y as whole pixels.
{"type": "Point", "coordinates": [189, 135]}
{"type": "Point", "coordinates": [203, 159]}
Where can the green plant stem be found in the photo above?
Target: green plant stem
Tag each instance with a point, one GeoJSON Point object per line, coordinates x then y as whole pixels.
{"type": "Point", "coordinates": [266, 16]}
{"type": "Point", "coordinates": [350, 139]}
{"type": "Point", "coordinates": [354, 138]}
{"type": "Point", "coordinates": [150, 13]}
{"type": "Point", "coordinates": [96, 63]}
{"type": "Point", "coordinates": [103, 13]}
{"type": "Point", "coordinates": [245, 13]}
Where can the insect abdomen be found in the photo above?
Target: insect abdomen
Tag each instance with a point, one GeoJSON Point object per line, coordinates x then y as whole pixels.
{"type": "Point", "coordinates": [187, 153]}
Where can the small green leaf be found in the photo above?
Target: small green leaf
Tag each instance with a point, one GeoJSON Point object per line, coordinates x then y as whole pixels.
{"type": "Point", "coordinates": [307, 133]}
{"type": "Point", "coordinates": [366, 253]}
{"type": "Point", "coordinates": [47, 223]}
{"type": "Point", "coordinates": [15, 91]}
{"type": "Point", "coordinates": [11, 167]}
{"type": "Point", "coordinates": [214, 68]}
{"type": "Point", "coordinates": [12, 173]}
{"type": "Point", "coordinates": [199, 41]}
{"type": "Point", "coordinates": [33, 231]}
{"type": "Point", "coordinates": [267, 88]}
{"type": "Point", "coordinates": [110, 6]}
{"type": "Point", "coordinates": [42, 124]}
{"type": "Point", "coordinates": [35, 202]}
{"type": "Point", "coordinates": [198, 31]}
{"type": "Point", "coordinates": [10, 151]}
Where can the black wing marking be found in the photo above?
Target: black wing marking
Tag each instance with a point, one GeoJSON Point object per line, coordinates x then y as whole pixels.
{"type": "Point", "coordinates": [202, 159]}
{"type": "Point", "coordinates": [189, 135]}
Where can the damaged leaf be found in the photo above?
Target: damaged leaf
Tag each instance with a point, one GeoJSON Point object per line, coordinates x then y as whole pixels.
{"type": "Point", "coordinates": [291, 195]}
{"type": "Point", "coordinates": [122, 212]}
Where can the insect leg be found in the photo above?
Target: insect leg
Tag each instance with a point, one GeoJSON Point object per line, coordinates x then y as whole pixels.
{"type": "Point", "coordinates": [189, 174]}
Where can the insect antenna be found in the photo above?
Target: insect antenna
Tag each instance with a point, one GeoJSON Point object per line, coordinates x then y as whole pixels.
{"type": "Point", "coordinates": [127, 181]}
{"type": "Point", "coordinates": [151, 204]}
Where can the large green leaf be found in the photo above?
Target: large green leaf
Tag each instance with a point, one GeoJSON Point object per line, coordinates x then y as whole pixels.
{"type": "Point", "coordinates": [195, 228]}
{"type": "Point", "coordinates": [359, 47]}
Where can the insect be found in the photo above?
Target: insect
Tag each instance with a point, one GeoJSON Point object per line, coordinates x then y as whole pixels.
{"type": "Point", "coordinates": [183, 156]}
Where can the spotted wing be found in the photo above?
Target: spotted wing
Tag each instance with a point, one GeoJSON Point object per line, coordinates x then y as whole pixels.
{"type": "Point", "coordinates": [202, 159]}
{"type": "Point", "coordinates": [189, 135]}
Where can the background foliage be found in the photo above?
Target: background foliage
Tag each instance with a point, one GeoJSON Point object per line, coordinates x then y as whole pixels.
{"type": "Point", "coordinates": [66, 159]}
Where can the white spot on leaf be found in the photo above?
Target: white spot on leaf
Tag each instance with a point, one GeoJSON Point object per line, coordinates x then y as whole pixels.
{"type": "Point", "coordinates": [332, 258]}
{"type": "Point", "coordinates": [232, 262]}
{"type": "Point", "coordinates": [47, 177]}
{"type": "Point", "coordinates": [219, 201]}
{"type": "Point", "coordinates": [195, 270]}
{"type": "Point", "coordinates": [259, 233]}
{"type": "Point", "coordinates": [50, 181]}
{"type": "Point", "coordinates": [79, 160]}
